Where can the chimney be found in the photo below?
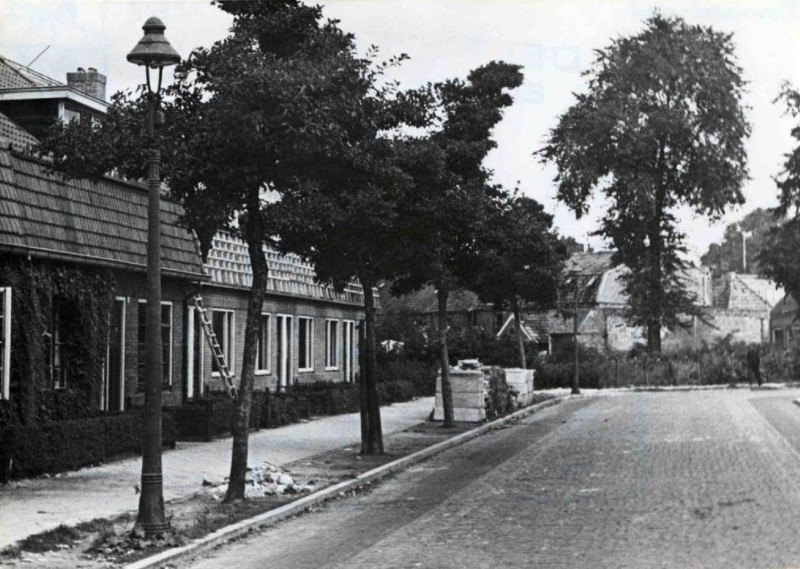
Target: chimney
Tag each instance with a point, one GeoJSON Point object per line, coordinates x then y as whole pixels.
{"type": "Point", "coordinates": [90, 82]}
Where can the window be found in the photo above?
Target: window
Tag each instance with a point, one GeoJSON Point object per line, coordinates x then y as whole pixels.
{"type": "Point", "coordinates": [70, 116]}
{"type": "Point", "coordinates": [332, 344]}
{"type": "Point", "coordinates": [5, 341]}
{"type": "Point", "coordinates": [166, 343]}
{"type": "Point", "coordinates": [54, 350]}
{"type": "Point", "coordinates": [305, 344]}
{"type": "Point", "coordinates": [222, 321]}
{"type": "Point", "coordinates": [262, 354]}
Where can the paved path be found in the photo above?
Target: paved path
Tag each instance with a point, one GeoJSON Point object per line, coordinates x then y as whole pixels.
{"type": "Point", "coordinates": [658, 480]}
{"type": "Point", "coordinates": [32, 506]}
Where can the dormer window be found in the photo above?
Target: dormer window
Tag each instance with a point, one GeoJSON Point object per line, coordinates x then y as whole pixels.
{"type": "Point", "coordinates": [70, 116]}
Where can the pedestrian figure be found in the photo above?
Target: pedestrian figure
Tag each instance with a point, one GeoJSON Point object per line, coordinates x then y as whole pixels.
{"type": "Point", "coordinates": [754, 364]}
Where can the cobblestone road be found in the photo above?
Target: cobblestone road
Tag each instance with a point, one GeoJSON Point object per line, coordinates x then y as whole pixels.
{"type": "Point", "coordinates": [639, 480]}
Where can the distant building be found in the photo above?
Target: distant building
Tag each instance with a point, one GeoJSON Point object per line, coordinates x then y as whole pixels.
{"type": "Point", "coordinates": [735, 305]}
{"type": "Point", "coordinates": [784, 323]}
{"type": "Point", "coordinates": [464, 308]}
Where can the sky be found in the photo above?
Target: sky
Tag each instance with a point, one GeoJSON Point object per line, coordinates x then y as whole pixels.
{"type": "Point", "coordinates": [553, 40]}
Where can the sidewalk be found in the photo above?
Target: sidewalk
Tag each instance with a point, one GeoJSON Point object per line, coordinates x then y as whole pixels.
{"type": "Point", "coordinates": [32, 506]}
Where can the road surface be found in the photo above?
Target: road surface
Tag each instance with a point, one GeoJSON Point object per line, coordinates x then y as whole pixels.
{"type": "Point", "coordinates": [657, 480]}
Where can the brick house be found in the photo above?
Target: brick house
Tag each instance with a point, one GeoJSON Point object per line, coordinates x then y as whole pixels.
{"type": "Point", "coordinates": [53, 223]}
{"type": "Point", "coordinates": [98, 230]}
{"type": "Point", "coordinates": [308, 330]}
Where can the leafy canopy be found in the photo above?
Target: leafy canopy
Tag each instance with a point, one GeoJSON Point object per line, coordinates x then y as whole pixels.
{"type": "Point", "coordinates": [521, 256]}
{"type": "Point", "coordinates": [660, 126]}
{"type": "Point", "coordinates": [779, 258]}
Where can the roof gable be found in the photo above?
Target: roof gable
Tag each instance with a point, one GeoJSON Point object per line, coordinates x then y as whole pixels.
{"type": "Point", "coordinates": [16, 76]}
{"type": "Point", "coordinates": [12, 133]}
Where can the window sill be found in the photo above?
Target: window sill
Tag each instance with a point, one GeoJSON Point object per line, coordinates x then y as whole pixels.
{"type": "Point", "coordinates": [306, 370]}
{"type": "Point", "coordinates": [335, 368]}
{"type": "Point", "coordinates": [262, 372]}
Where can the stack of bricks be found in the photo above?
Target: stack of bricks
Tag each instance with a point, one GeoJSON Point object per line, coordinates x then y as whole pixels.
{"type": "Point", "coordinates": [469, 396]}
{"type": "Point", "coordinates": [520, 382]}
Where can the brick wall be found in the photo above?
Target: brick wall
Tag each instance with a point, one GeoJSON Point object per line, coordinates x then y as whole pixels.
{"type": "Point", "coordinates": [132, 288]}
{"type": "Point", "coordinates": [235, 300]}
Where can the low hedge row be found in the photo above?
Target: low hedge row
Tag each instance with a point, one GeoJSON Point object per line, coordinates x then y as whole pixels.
{"type": "Point", "coordinates": [211, 417]}
{"type": "Point", "coordinates": [66, 445]}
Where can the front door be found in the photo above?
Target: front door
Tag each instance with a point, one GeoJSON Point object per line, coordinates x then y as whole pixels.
{"type": "Point", "coordinates": [284, 351]}
{"type": "Point", "coordinates": [115, 358]}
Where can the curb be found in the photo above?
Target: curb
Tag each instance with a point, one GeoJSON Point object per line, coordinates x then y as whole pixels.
{"type": "Point", "coordinates": [306, 503]}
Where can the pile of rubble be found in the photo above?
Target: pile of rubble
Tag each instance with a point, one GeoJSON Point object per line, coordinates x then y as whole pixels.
{"type": "Point", "coordinates": [262, 481]}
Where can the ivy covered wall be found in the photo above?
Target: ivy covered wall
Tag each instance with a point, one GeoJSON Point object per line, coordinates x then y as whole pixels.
{"type": "Point", "coordinates": [83, 299]}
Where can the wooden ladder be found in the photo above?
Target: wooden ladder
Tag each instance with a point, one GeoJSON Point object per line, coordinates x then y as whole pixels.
{"type": "Point", "coordinates": [216, 349]}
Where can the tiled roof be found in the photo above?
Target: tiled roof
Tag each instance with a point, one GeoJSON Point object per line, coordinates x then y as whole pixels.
{"type": "Point", "coordinates": [746, 292]}
{"type": "Point", "coordinates": [103, 223]}
{"type": "Point", "coordinates": [593, 263]}
{"type": "Point", "coordinates": [229, 265]}
{"type": "Point", "coordinates": [536, 326]}
{"type": "Point", "coordinates": [19, 138]}
{"type": "Point", "coordinates": [424, 301]}
{"type": "Point", "coordinates": [766, 289]}
{"type": "Point", "coordinates": [16, 76]}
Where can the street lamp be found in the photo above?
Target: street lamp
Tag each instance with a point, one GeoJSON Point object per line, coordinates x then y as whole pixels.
{"type": "Point", "coordinates": [153, 51]}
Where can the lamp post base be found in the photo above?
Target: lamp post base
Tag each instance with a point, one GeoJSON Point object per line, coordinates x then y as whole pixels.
{"type": "Point", "coordinates": [152, 519]}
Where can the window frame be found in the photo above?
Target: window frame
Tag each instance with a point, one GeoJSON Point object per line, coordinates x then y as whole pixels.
{"type": "Point", "coordinates": [5, 342]}
{"type": "Point", "coordinates": [264, 325]}
{"type": "Point", "coordinates": [166, 383]}
{"type": "Point", "coordinates": [309, 344]}
{"type": "Point", "coordinates": [229, 335]}
{"type": "Point", "coordinates": [58, 381]}
{"type": "Point", "coordinates": [332, 353]}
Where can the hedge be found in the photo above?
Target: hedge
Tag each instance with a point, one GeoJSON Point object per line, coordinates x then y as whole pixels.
{"type": "Point", "coordinates": [209, 418]}
{"type": "Point", "coordinates": [66, 445]}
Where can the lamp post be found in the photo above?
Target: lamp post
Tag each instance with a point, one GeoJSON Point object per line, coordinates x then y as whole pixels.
{"type": "Point", "coordinates": [153, 51]}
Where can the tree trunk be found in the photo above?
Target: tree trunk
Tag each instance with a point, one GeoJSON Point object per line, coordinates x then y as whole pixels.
{"type": "Point", "coordinates": [444, 358]}
{"type": "Point", "coordinates": [656, 251]}
{"type": "Point", "coordinates": [375, 430]}
{"type": "Point", "coordinates": [520, 340]}
{"type": "Point", "coordinates": [363, 395]}
{"type": "Point", "coordinates": [654, 337]}
{"type": "Point", "coordinates": [254, 235]}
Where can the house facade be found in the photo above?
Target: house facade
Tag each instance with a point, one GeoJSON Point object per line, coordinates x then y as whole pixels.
{"type": "Point", "coordinates": [73, 283]}
{"type": "Point", "coordinates": [307, 331]}
{"type": "Point", "coordinates": [70, 234]}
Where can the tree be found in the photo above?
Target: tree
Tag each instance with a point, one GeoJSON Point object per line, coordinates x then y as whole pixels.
{"type": "Point", "coordinates": [743, 239]}
{"type": "Point", "coordinates": [661, 126]}
{"type": "Point", "coordinates": [521, 259]}
{"type": "Point", "coordinates": [451, 190]}
{"type": "Point", "coordinates": [779, 256]}
{"type": "Point", "coordinates": [342, 217]}
{"type": "Point", "coordinates": [245, 117]}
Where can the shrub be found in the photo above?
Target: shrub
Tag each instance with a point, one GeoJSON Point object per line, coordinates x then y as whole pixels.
{"type": "Point", "coordinates": [65, 445]}
{"type": "Point", "coordinates": [421, 375]}
{"type": "Point", "coordinates": [499, 401]}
